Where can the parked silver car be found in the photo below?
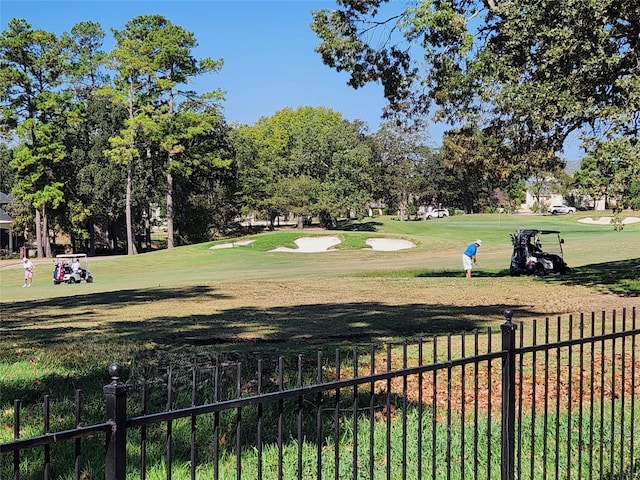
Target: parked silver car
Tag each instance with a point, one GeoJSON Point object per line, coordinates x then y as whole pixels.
{"type": "Point", "coordinates": [556, 209]}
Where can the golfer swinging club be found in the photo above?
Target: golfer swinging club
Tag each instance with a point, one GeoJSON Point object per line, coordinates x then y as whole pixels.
{"type": "Point", "coordinates": [469, 257]}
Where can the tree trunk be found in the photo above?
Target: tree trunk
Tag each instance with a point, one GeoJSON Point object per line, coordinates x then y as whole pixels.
{"type": "Point", "coordinates": [170, 239]}
{"type": "Point", "coordinates": [92, 238]}
{"type": "Point", "coordinates": [170, 243]}
{"type": "Point", "coordinates": [402, 210]}
{"type": "Point", "coordinates": [45, 233]}
{"type": "Point", "coordinates": [131, 246]}
{"type": "Point", "coordinates": [147, 229]}
{"type": "Point", "coordinates": [112, 237]}
{"type": "Point", "coordinates": [40, 251]}
{"type": "Point", "coordinates": [467, 200]}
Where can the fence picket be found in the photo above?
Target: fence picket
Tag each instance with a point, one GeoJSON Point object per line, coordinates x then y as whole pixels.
{"type": "Point", "coordinates": [78, 443]}
{"type": "Point", "coordinates": [47, 448]}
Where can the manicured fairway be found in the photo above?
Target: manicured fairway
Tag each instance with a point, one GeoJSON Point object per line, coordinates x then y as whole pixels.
{"type": "Point", "coordinates": [248, 296]}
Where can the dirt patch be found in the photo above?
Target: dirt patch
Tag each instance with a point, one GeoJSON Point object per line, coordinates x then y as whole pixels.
{"type": "Point", "coordinates": [551, 387]}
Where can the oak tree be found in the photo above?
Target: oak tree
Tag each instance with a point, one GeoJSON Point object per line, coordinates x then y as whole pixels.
{"type": "Point", "coordinates": [527, 74]}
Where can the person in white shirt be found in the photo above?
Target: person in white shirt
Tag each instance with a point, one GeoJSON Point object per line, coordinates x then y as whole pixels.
{"type": "Point", "coordinates": [75, 266]}
{"type": "Point", "coordinates": [28, 272]}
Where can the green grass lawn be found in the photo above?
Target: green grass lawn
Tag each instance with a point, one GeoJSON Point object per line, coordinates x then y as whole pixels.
{"type": "Point", "coordinates": [249, 296]}
{"type": "Point", "coordinates": [251, 301]}
{"type": "Point", "coordinates": [439, 244]}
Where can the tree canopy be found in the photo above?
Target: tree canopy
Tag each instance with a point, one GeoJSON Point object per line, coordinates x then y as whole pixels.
{"type": "Point", "coordinates": [309, 161]}
{"type": "Point", "coordinates": [96, 143]}
{"type": "Point", "coordinates": [527, 74]}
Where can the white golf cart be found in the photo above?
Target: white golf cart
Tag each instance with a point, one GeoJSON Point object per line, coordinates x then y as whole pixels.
{"type": "Point", "coordinates": [71, 268]}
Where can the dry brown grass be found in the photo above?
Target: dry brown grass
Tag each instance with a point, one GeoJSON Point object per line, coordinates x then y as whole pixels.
{"type": "Point", "coordinates": [296, 313]}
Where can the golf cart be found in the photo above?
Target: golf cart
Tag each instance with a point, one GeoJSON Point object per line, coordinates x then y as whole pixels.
{"type": "Point", "coordinates": [69, 269]}
{"type": "Point", "coordinates": [528, 258]}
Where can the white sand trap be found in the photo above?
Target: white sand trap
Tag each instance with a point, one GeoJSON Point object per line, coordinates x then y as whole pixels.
{"type": "Point", "coordinates": [324, 244]}
{"type": "Point", "coordinates": [241, 243]}
{"type": "Point", "coordinates": [389, 244]}
{"type": "Point", "coordinates": [311, 245]}
{"type": "Point", "coordinates": [607, 220]}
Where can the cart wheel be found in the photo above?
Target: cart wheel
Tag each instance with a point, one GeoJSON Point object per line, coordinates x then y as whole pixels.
{"type": "Point", "coordinates": [540, 271]}
{"type": "Point", "coordinates": [71, 280]}
{"type": "Point", "coordinates": [89, 279]}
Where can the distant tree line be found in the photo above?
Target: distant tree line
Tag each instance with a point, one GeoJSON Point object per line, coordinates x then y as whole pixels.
{"type": "Point", "coordinates": [94, 140]}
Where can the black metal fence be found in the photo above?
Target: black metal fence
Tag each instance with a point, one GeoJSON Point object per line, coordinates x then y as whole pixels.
{"type": "Point", "coordinates": [548, 399]}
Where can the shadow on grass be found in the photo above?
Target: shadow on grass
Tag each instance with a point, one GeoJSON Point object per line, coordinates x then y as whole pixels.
{"type": "Point", "coordinates": [325, 325]}
{"type": "Point", "coordinates": [621, 277]}
{"type": "Point", "coordinates": [306, 325]}
{"type": "Point", "coordinates": [75, 339]}
{"type": "Point", "coordinates": [354, 226]}
{"type": "Point", "coordinates": [111, 299]}
{"type": "Point", "coordinates": [459, 274]}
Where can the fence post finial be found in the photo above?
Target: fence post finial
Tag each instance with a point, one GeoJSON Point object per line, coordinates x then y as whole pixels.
{"type": "Point", "coordinates": [116, 412]}
{"type": "Point", "coordinates": [115, 372]}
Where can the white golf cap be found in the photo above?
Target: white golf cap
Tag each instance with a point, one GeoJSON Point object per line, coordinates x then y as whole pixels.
{"type": "Point", "coordinates": [478, 242]}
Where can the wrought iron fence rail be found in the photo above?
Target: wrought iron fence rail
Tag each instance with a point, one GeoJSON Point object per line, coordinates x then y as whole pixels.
{"type": "Point", "coordinates": [51, 438]}
{"type": "Point", "coordinates": [578, 341]}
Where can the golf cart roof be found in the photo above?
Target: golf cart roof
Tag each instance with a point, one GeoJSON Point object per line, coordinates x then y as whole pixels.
{"type": "Point", "coordinates": [534, 232]}
{"type": "Point", "coordinates": [72, 255]}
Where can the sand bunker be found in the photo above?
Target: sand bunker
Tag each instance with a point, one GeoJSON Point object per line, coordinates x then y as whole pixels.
{"type": "Point", "coordinates": [311, 245]}
{"type": "Point", "coordinates": [607, 220]}
{"type": "Point", "coordinates": [241, 243]}
{"type": "Point", "coordinates": [389, 244]}
{"type": "Point", "coordinates": [324, 244]}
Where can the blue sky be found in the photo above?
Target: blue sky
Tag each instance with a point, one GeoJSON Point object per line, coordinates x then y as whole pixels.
{"type": "Point", "coordinates": [267, 47]}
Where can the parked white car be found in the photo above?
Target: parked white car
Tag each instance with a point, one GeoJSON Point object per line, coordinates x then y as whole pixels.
{"type": "Point", "coordinates": [437, 213]}
{"type": "Point", "coordinates": [556, 209]}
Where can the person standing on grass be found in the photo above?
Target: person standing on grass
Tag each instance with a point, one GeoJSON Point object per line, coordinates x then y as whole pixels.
{"type": "Point", "coordinates": [28, 272]}
{"type": "Point", "coordinates": [469, 257]}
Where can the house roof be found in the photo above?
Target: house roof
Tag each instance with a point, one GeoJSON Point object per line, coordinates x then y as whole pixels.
{"type": "Point", "coordinates": [5, 219]}
{"type": "Point", "coordinates": [5, 198]}
{"type": "Point", "coordinates": [572, 166]}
